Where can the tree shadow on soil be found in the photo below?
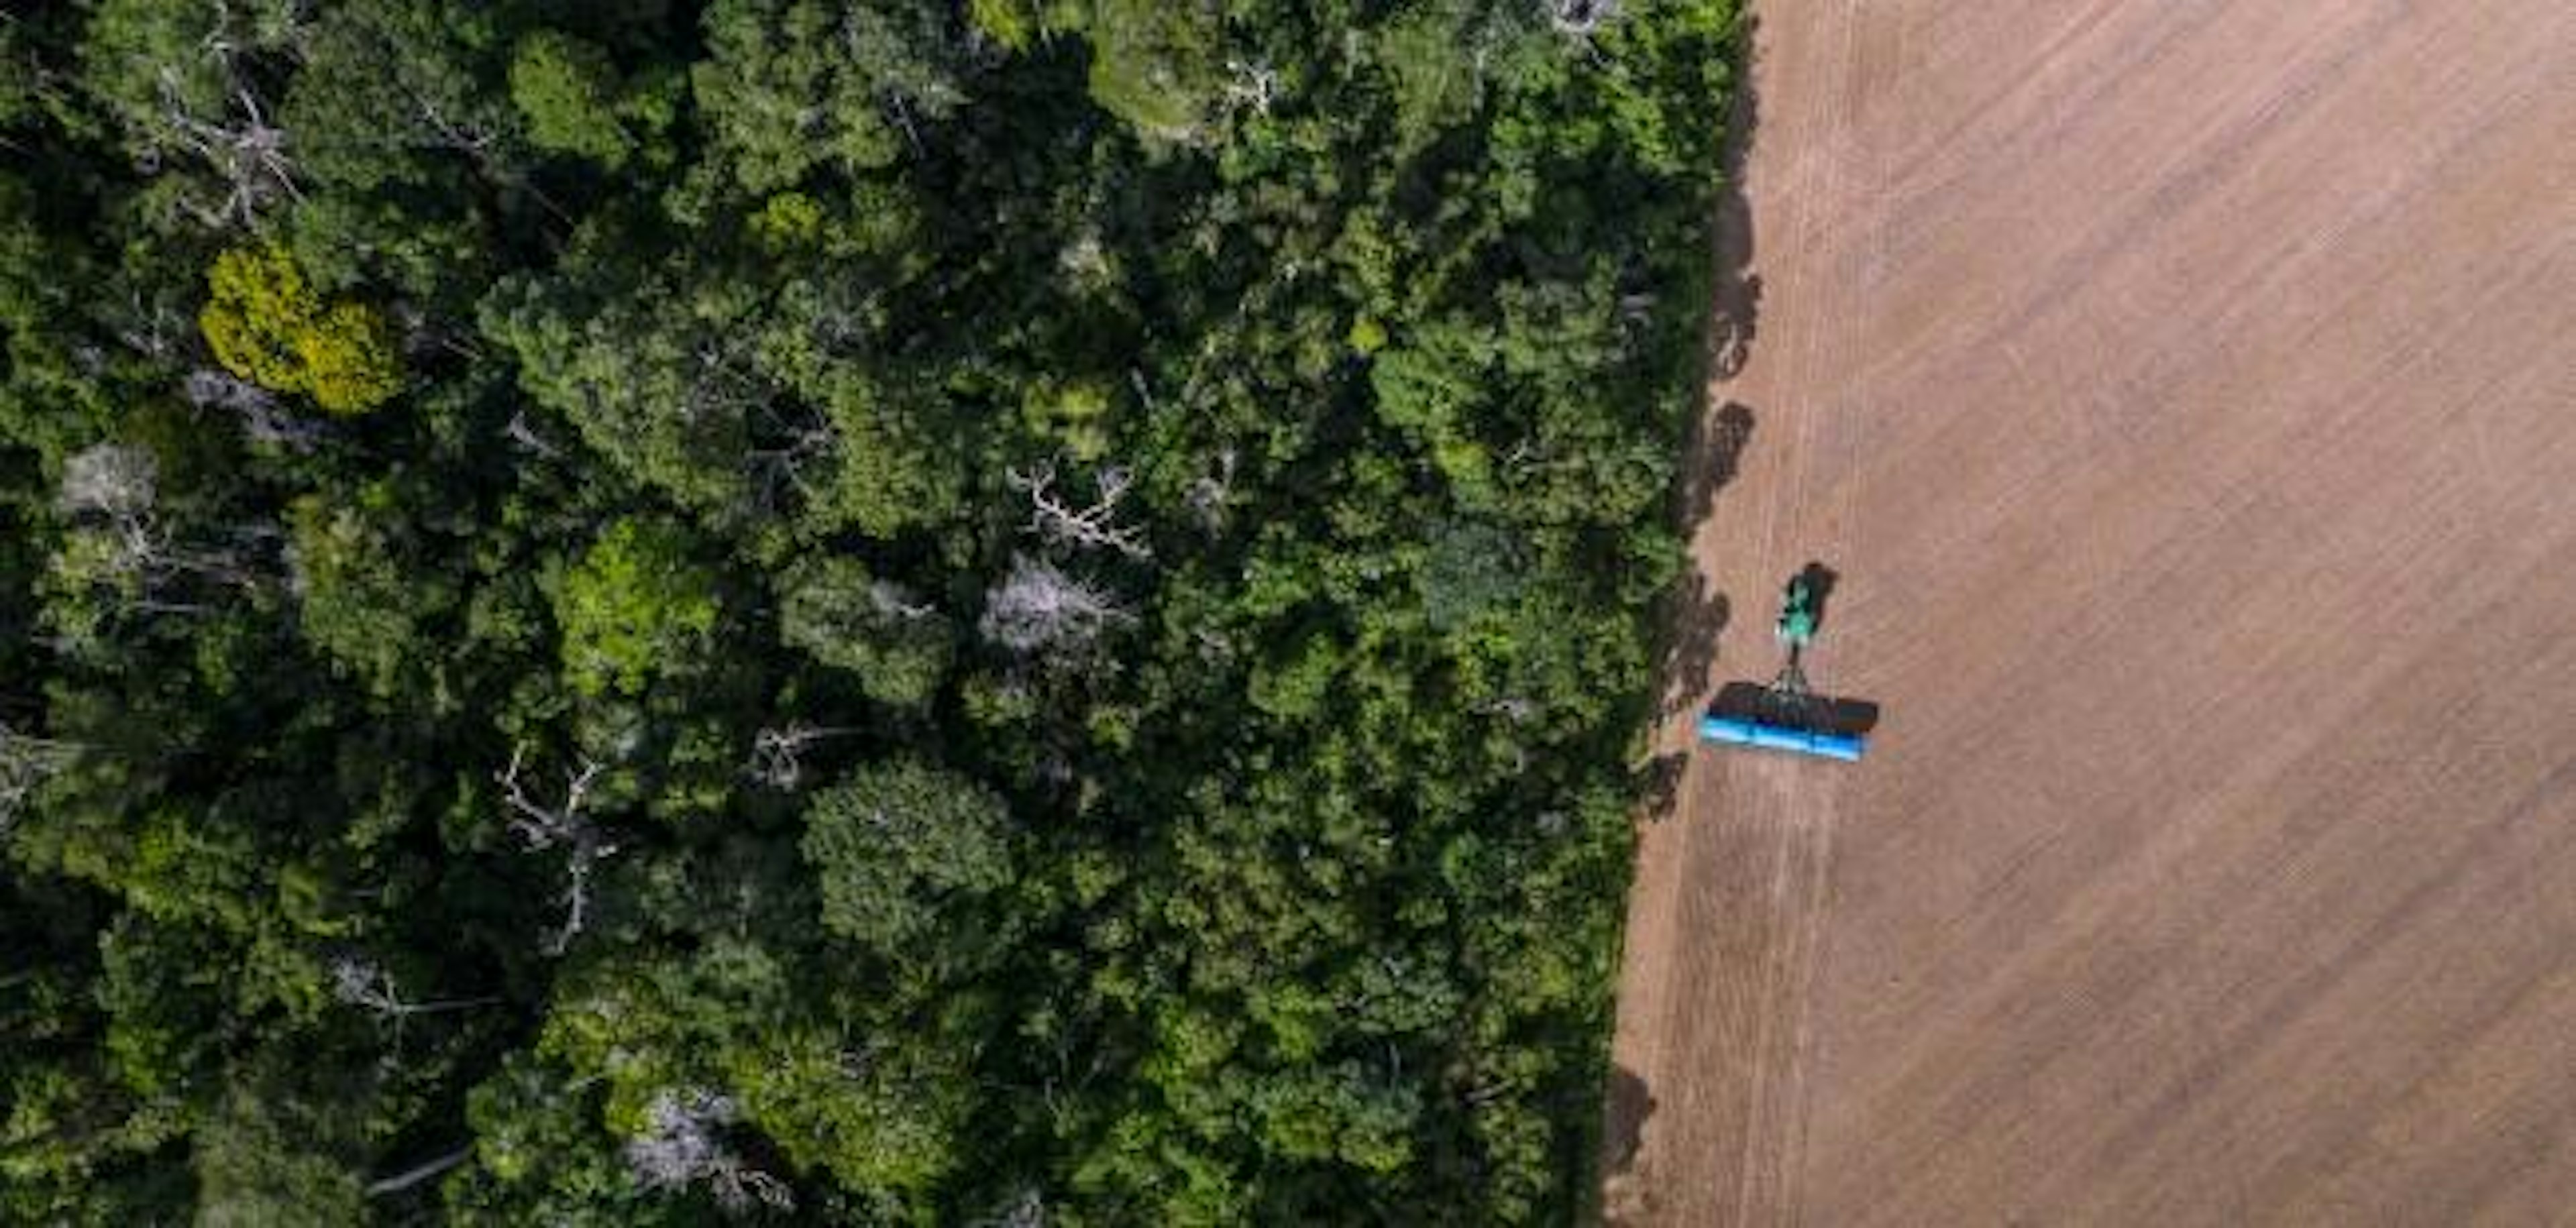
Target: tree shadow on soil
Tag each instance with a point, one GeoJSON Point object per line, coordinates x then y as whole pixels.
{"type": "Point", "coordinates": [1631, 1103]}
{"type": "Point", "coordinates": [1660, 784]}
{"type": "Point", "coordinates": [1695, 613]}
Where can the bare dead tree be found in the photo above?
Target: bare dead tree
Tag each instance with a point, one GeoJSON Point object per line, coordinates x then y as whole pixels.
{"type": "Point", "coordinates": [420, 1172]}
{"type": "Point", "coordinates": [777, 752]}
{"type": "Point", "coordinates": [151, 328]}
{"type": "Point", "coordinates": [263, 420]}
{"type": "Point", "coordinates": [1026, 1209]}
{"type": "Point", "coordinates": [208, 388]}
{"type": "Point", "coordinates": [117, 487]}
{"type": "Point", "coordinates": [246, 152]}
{"type": "Point", "coordinates": [1092, 527]}
{"type": "Point", "coordinates": [527, 438]}
{"type": "Point", "coordinates": [1251, 85]}
{"type": "Point", "coordinates": [1581, 18]}
{"type": "Point", "coordinates": [361, 982]}
{"type": "Point", "coordinates": [1210, 490]}
{"type": "Point", "coordinates": [117, 481]}
{"type": "Point", "coordinates": [26, 763]}
{"type": "Point", "coordinates": [895, 601]}
{"type": "Point", "coordinates": [1038, 607]}
{"type": "Point", "coordinates": [562, 825]}
{"type": "Point", "coordinates": [682, 1145]}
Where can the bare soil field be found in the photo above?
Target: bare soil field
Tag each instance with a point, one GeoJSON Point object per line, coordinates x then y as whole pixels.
{"type": "Point", "coordinates": [2185, 394]}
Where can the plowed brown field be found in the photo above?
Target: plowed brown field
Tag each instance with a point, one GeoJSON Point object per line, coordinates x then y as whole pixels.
{"type": "Point", "coordinates": [2186, 395]}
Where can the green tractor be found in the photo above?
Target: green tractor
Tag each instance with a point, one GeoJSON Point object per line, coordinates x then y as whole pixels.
{"type": "Point", "coordinates": [1787, 714]}
{"type": "Point", "coordinates": [1797, 625]}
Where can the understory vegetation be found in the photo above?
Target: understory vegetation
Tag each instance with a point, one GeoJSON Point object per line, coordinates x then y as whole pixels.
{"type": "Point", "coordinates": [1022, 612]}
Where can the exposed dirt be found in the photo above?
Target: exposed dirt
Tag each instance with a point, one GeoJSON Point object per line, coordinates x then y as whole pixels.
{"type": "Point", "coordinates": [2185, 394]}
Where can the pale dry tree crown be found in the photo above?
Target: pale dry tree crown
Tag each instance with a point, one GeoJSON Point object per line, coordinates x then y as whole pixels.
{"type": "Point", "coordinates": [1037, 607]}
{"type": "Point", "coordinates": [119, 481]}
{"type": "Point", "coordinates": [358, 981]}
{"type": "Point", "coordinates": [262, 419]}
{"type": "Point", "coordinates": [207, 388]}
{"type": "Point", "coordinates": [1580, 18]}
{"type": "Point", "coordinates": [682, 1146]}
{"type": "Point", "coordinates": [116, 486]}
{"type": "Point", "coordinates": [679, 1142]}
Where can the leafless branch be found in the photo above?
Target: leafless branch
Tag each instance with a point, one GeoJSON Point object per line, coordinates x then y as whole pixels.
{"type": "Point", "coordinates": [1581, 18]}
{"type": "Point", "coordinates": [1026, 1209]}
{"type": "Point", "coordinates": [526, 436]}
{"type": "Point", "coordinates": [1039, 607]}
{"type": "Point", "coordinates": [117, 481]}
{"type": "Point", "coordinates": [1251, 85]}
{"type": "Point", "coordinates": [262, 420]}
{"type": "Point", "coordinates": [1209, 491]}
{"type": "Point", "coordinates": [721, 384]}
{"type": "Point", "coordinates": [542, 827]}
{"type": "Point", "coordinates": [115, 487]}
{"type": "Point", "coordinates": [26, 763]}
{"type": "Point", "coordinates": [361, 982]}
{"type": "Point", "coordinates": [896, 601]}
{"type": "Point", "coordinates": [248, 153]}
{"type": "Point", "coordinates": [1095, 526]}
{"type": "Point", "coordinates": [420, 1172]}
{"type": "Point", "coordinates": [471, 142]}
{"type": "Point", "coordinates": [777, 752]}
{"type": "Point", "coordinates": [152, 337]}
{"type": "Point", "coordinates": [682, 1145]}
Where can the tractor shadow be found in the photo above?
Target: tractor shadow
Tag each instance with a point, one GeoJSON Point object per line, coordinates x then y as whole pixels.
{"type": "Point", "coordinates": [1819, 580]}
{"type": "Point", "coordinates": [1834, 714]}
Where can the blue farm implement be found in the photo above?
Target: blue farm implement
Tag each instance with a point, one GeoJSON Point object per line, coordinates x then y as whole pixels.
{"type": "Point", "coordinates": [1733, 731]}
{"type": "Point", "coordinates": [1785, 715]}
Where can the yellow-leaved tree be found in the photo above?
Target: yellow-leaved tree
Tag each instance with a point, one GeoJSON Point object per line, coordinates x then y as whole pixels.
{"type": "Point", "coordinates": [268, 326]}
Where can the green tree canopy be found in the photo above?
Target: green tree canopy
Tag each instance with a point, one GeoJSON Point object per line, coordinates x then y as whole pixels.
{"type": "Point", "coordinates": [997, 612]}
{"type": "Point", "coordinates": [633, 608]}
{"type": "Point", "coordinates": [906, 854]}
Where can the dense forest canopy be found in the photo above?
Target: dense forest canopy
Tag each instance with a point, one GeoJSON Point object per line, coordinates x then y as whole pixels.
{"type": "Point", "coordinates": [859, 611]}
